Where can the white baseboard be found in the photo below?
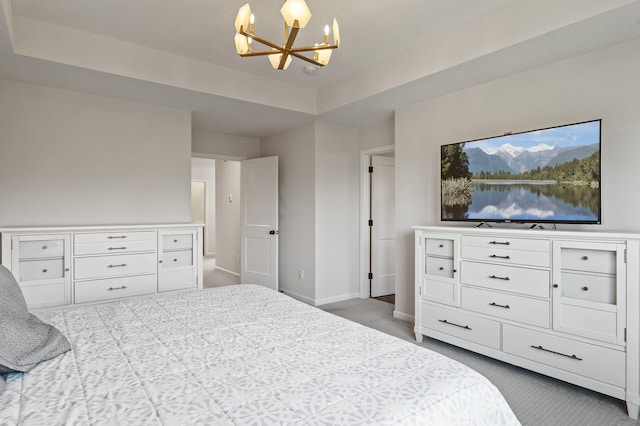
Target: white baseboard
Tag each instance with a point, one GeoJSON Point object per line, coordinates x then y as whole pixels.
{"type": "Point", "coordinates": [227, 271]}
{"type": "Point", "coordinates": [305, 299]}
{"type": "Point", "coordinates": [404, 317]}
{"type": "Point", "coordinates": [335, 299]}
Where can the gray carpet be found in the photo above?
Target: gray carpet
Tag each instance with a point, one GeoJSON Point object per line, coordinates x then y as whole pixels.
{"type": "Point", "coordinates": [534, 398]}
{"type": "Point", "coordinates": [213, 277]}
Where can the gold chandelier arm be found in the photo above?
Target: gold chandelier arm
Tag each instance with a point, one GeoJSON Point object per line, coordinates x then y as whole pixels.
{"type": "Point", "coordinates": [261, 53]}
{"type": "Point", "coordinates": [259, 39]}
{"type": "Point", "coordinates": [312, 48]}
{"type": "Point", "coordinates": [304, 58]}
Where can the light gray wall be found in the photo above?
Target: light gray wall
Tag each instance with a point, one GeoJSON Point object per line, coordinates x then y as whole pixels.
{"type": "Point", "coordinates": [296, 177]}
{"type": "Point", "coordinates": [602, 84]}
{"type": "Point", "coordinates": [72, 158]}
{"type": "Point", "coordinates": [225, 145]}
{"type": "Point", "coordinates": [378, 134]}
{"type": "Point", "coordinates": [204, 169]}
{"type": "Point", "coordinates": [228, 215]}
{"type": "Point", "coordinates": [337, 166]}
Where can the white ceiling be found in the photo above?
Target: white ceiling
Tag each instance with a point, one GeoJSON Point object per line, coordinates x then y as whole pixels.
{"type": "Point", "coordinates": [393, 53]}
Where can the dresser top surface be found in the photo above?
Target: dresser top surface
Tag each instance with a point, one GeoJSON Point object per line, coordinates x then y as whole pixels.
{"type": "Point", "coordinates": [533, 233]}
{"type": "Point", "coordinates": [84, 228]}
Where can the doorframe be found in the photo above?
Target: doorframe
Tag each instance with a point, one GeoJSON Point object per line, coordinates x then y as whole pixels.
{"type": "Point", "coordinates": [206, 217]}
{"type": "Point", "coordinates": [365, 200]}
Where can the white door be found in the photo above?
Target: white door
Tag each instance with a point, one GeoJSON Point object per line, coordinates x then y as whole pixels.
{"type": "Point", "coordinates": [383, 230]}
{"type": "Point", "coordinates": [259, 228]}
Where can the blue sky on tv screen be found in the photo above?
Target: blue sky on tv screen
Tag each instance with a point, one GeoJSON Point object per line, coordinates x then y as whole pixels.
{"type": "Point", "coordinates": [573, 135]}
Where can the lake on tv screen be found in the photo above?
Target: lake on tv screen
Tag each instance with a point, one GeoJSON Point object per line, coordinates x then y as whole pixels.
{"type": "Point", "coordinates": [547, 175]}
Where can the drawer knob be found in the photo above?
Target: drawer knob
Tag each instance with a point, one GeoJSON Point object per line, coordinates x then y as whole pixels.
{"type": "Point", "coordinates": [159, 261]}
{"type": "Point", "coordinates": [555, 286]}
{"type": "Point", "coordinates": [441, 245]}
{"type": "Point", "coordinates": [585, 288]}
{"type": "Point", "coordinates": [66, 269]}
{"type": "Point", "coordinates": [44, 271]}
{"type": "Point", "coordinates": [175, 241]}
{"type": "Point", "coordinates": [585, 258]}
{"type": "Point", "coordinates": [441, 268]}
{"type": "Point", "coordinates": [175, 260]}
{"type": "Point", "coordinates": [44, 247]}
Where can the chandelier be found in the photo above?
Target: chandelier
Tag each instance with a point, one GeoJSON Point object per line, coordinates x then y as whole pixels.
{"type": "Point", "coordinates": [296, 15]}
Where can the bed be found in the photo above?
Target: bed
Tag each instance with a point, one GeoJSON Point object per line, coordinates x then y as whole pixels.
{"type": "Point", "coordinates": [240, 355]}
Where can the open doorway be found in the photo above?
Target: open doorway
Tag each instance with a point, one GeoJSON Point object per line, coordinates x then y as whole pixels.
{"type": "Point", "coordinates": [218, 207]}
{"type": "Point", "coordinates": [377, 243]}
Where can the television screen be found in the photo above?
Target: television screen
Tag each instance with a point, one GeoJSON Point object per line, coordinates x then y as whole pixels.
{"type": "Point", "coordinates": [549, 175]}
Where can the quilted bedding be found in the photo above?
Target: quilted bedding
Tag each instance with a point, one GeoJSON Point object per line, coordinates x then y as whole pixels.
{"type": "Point", "coordinates": [240, 355]}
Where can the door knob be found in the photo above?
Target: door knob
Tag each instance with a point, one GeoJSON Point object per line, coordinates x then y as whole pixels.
{"type": "Point", "coordinates": [272, 232]}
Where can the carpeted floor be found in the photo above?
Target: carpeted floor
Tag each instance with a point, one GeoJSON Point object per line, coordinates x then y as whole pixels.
{"type": "Point", "coordinates": [534, 398]}
{"type": "Point", "coordinates": [213, 277]}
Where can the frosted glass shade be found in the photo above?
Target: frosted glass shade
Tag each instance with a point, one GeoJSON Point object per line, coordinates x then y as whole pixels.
{"type": "Point", "coordinates": [336, 33]}
{"type": "Point", "coordinates": [275, 60]}
{"type": "Point", "coordinates": [242, 44]}
{"type": "Point", "coordinates": [324, 56]}
{"type": "Point", "coordinates": [242, 18]}
{"type": "Point", "coordinates": [296, 9]}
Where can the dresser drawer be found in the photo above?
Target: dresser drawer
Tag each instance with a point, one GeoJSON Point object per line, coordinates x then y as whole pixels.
{"type": "Point", "coordinates": [176, 280]}
{"type": "Point", "coordinates": [591, 320]}
{"type": "Point", "coordinates": [439, 247]}
{"type": "Point", "coordinates": [508, 306]}
{"type": "Point", "coordinates": [177, 241]}
{"type": "Point", "coordinates": [602, 364]}
{"type": "Point", "coordinates": [507, 256]}
{"type": "Point", "coordinates": [525, 244]}
{"type": "Point", "coordinates": [114, 247]}
{"type": "Point", "coordinates": [111, 266]}
{"type": "Point", "coordinates": [596, 288]}
{"type": "Point", "coordinates": [115, 237]}
{"type": "Point", "coordinates": [440, 266]}
{"type": "Point", "coordinates": [41, 249]}
{"type": "Point", "coordinates": [32, 270]}
{"type": "Point", "coordinates": [578, 259]}
{"type": "Point", "coordinates": [445, 291]}
{"type": "Point", "coordinates": [461, 324]}
{"type": "Point", "coordinates": [531, 282]}
{"type": "Point", "coordinates": [114, 288]}
{"type": "Point", "coordinates": [176, 259]}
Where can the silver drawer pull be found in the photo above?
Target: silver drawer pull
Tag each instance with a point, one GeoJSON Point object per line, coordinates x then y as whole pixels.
{"type": "Point", "coordinates": [117, 266]}
{"type": "Point", "coordinates": [503, 243]}
{"type": "Point", "coordinates": [499, 306]}
{"type": "Point", "coordinates": [117, 288]}
{"type": "Point", "coordinates": [557, 353]}
{"type": "Point", "coordinates": [499, 278]}
{"type": "Point", "coordinates": [117, 248]}
{"type": "Point", "coordinates": [111, 237]}
{"type": "Point", "coordinates": [495, 256]}
{"type": "Point", "coordinates": [466, 327]}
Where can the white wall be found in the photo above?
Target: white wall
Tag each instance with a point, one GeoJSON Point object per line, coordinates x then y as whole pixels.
{"type": "Point", "coordinates": [204, 169]}
{"type": "Point", "coordinates": [225, 145]}
{"type": "Point", "coordinates": [602, 84]}
{"type": "Point", "coordinates": [337, 165]}
{"type": "Point", "coordinates": [71, 158]}
{"type": "Point", "coordinates": [378, 134]}
{"type": "Point", "coordinates": [296, 176]}
{"type": "Point", "coordinates": [228, 215]}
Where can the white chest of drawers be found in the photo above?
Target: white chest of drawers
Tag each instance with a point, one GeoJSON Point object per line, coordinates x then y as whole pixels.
{"type": "Point", "coordinates": [64, 266]}
{"type": "Point", "coordinates": [564, 304]}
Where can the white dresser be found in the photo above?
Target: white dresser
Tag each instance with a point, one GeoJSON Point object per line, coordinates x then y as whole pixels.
{"type": "Point", "coordinates": [564, 304]}
{"type": "Point", "coordinates": [63, 266]}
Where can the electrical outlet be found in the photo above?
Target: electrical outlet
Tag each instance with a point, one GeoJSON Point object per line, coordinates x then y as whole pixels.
{"type": "Point", "coordinates": [301, 274]}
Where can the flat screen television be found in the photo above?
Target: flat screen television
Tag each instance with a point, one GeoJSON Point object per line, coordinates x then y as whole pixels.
{"type": "Point", "coordinates": [549, 175]}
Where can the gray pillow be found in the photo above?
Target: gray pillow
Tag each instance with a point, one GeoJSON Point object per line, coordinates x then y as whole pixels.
{"type": "Point", "coordinates": [25, 341]}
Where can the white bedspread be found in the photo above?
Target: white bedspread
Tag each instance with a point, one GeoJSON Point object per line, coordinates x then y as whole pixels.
{"type": "Point", "coordinates": [241, 355]}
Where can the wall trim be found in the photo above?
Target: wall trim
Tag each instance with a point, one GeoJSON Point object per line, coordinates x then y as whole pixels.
{"type": "Point", "coordinates": [335, 299]}
{"type": "Point", "coordinates": [227, 271]}
{"type": "Point", "coordinates": [404, 317]}
{"type": "Point", "coordinates": [305, 299]}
